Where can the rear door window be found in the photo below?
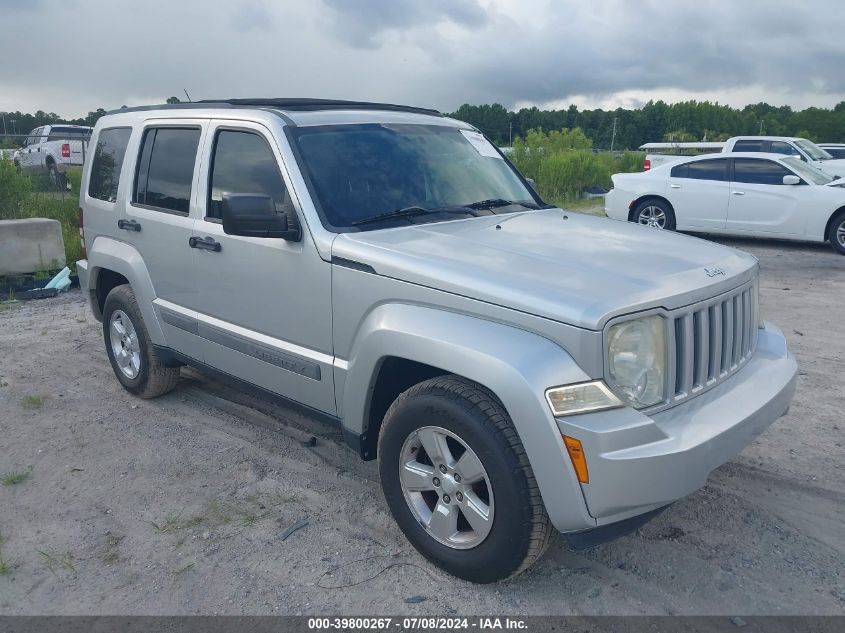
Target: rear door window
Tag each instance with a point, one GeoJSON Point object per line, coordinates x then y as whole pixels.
{"type": "Point", "coordinates": [749, 146]}
{"type": "Point", "coordinates": [759, 172]}
{"type": "Point", "coordinates": [166, 168]}
{"type": "Point", "coordinates": [107, 162]}
{"type": "Point", "coordinates": [716, 169]}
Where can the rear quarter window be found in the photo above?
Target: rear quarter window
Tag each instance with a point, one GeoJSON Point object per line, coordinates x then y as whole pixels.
{"type": "Point", "coordinates": [107, 163]}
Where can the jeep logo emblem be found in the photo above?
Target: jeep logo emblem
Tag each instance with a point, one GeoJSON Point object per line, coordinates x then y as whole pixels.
{"type": "Point", "coordinates": [712, 272]}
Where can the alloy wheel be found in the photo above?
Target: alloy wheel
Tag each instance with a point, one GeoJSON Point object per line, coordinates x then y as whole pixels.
{"type": "Point", "coordinates": [124, 344]}
{"type": "Point", "coordinates": [446, 487]}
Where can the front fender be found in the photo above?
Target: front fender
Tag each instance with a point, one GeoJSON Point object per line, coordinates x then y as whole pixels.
{"type": "Point", "coordinates": [516, 365]}
{"type": "Point", "coordinates": [107, 253]}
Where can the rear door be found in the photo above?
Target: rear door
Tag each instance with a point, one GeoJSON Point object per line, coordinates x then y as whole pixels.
{"type": "Point", "coordinates": [761, 203]}
{"type": "Point", "coordinates": [698, 191]}
{"type": "Point", "coordinates": [159, 221]}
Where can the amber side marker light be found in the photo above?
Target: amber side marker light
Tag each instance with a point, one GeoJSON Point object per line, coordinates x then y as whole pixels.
{"type": "Point", "coordinates": [576, 455]}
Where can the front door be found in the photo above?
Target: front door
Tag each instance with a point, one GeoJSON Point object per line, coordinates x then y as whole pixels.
{"type": "Point", "coordinates": [264, 304]}
{"type": "Point", "coordinates": [761, 203]}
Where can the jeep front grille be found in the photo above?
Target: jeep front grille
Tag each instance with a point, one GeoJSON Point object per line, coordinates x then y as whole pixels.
{"type": "Point", "coordinates": [709, 341]}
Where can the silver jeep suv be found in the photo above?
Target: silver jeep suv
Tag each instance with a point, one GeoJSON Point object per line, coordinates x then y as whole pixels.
{"type": "Point", "coordinates": [512, 367]}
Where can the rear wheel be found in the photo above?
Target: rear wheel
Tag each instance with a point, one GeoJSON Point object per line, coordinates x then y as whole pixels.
{"type": "Point", "coordinates": [458, 482]}
{"type": "Point", "coordinates": [837, 233]}
{"type": "Point", "coordinates": [57, 179]}
{"type": "Point", "coordinates": [131, 353]}
{"type": "Point", "coordinates": [656, 214]}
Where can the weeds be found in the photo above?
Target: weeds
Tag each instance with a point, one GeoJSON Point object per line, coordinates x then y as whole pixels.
{"type": "Point", "coordinates": [55, 562]}
{"type": "Point", "coordinates": [32, 402]}
{"type": "Point", "coordinates": [16, 477]}
{"type": "Point", "coordinates": [6, 565]}
{"type": "Point", "coordinates": [171, 523]}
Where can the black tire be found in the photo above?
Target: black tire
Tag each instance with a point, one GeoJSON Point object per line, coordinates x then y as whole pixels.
{"type": "Point", "coordinates": [153, 378]}
{"type": "Point", "coordinates": [837, 233]}
{"type": "Point", "coordinates": [648, 206]}
{"type": "Point", "coordinates": [520, 530]}
{"type": "Point", "coordinates": [57, 179]}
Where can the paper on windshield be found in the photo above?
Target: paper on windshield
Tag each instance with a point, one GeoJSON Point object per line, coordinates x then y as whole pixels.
{"type": "Point", "coordinates": [481, 144]}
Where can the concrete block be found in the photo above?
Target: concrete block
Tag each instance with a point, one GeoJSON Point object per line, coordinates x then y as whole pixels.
{"type": "Point", "coordinates": [30, 245]}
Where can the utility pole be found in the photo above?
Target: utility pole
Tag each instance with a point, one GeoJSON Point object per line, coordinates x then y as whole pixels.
{"type": "Point", "coordinates": [761, 128]}
{"type": "Point", "coordinates": [13, 121]}
{"type": "Point", "coordinates": [613, 138]}
{"type": "Point", "coordinates": [510, 134]}
{"type": "Point", "coordinates": [4, 124]}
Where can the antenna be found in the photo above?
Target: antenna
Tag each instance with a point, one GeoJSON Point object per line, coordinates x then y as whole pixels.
{"type": "Point", "coordinates": [187, 95]}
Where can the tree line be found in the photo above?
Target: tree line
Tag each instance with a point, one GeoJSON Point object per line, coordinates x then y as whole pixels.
{"type": "Point", "coordinates": [655, 121]}
{"type": "Point", "coordinates": [659, 121]}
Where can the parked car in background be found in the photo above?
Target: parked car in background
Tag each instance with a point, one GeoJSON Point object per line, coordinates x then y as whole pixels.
{"type": "Point", "coordinates": [837, 150]}
{"type": "Point", "coordinates": [512, 367]}
{"type": "Point", "coordinates": [801, 148]}
{"type": "Point", "coordinates": [740, 193]}
{"type": "Point", "coordinates": [51, 149]}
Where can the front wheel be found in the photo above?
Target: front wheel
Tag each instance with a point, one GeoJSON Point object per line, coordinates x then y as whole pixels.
{"type": "Point", "coordinates": [656, 214]}
{"type": "Point", "coordinates": [458, 482]}
{"type": "Point", "coordinates": [837, 233]}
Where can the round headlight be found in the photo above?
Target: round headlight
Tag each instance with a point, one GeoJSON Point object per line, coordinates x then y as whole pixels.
{"type": "Point", "coordinates": [636, 355]}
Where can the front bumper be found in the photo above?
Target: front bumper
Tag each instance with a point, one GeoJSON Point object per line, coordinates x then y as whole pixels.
{"type": "Point", "coordinates": [638, 463]}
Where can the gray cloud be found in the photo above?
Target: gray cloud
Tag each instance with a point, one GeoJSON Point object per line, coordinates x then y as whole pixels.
{"type": "Point", "coordinates": [361, 23]}
{"type": "Point", "coordinates": [440, 53]}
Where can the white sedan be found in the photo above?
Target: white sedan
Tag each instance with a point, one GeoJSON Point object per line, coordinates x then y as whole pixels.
{"type": "Point", "coordinates": [738, 193]}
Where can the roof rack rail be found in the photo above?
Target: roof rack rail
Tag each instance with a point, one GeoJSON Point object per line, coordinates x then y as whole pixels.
{"type": "Point", "coordinates": [290, 104]}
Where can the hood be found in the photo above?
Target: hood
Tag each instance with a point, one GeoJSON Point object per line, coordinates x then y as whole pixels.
{"type": "Point", "coordinates": [581, 270]}
{"type": "Point", "coordinates": [834, 167]}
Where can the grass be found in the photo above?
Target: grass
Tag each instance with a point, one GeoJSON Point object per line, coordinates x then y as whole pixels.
{"type": "Point", "coordinates": [16, 477]}
{"type": "Point", "coordinates": [171, 523]}
{"type": "Point", "coordinates": [55, 562]}
{"type": "Point", "coordinates": [32, 402]}
{"type": "Point", "coordinates": [23, 196]}
{"type": "Point", "coordinates": [6, 565]}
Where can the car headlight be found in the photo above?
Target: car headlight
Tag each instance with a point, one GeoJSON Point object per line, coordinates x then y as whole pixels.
{"type": "Point", "coordinates": [636, 355]}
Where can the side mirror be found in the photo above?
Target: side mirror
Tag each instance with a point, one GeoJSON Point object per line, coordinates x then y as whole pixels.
{"type": "Point", "coordinates": [791, 180]}
{"type": "Point", "coordinates": [533, 185]}
{"type": "Point", "coordinates": [255, 215]}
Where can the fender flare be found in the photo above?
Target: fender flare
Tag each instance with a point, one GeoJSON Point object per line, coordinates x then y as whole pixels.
{"type": "Point", "coordinates": [516, 365]}
{"type": "Point", "coordinates": [109, 253]}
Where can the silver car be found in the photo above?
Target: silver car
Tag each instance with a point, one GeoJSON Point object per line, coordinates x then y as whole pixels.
{"type": "Point", "coordinates": [514, 368]}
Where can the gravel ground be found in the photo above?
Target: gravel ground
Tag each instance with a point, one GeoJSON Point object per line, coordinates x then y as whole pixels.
{"type": "Point", "coordinates": [178, 505]}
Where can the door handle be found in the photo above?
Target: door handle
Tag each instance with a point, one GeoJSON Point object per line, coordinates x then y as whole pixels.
{"type": "Point", "coordinates": [129, 225]}
{"type": "Point", "coordinates": [206, 244]}
{"type": "Point", "coordinates": [738, 193]}
{"type": "Point", "coordinates": [674, 186]}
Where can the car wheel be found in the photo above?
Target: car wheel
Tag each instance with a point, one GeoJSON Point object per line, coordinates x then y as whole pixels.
{"type": "Point", "coordinates": [57, 179]}
{"type": "Point", "coordinates": [837, 233]}
{"type": "Point", "coordinates": [458, 482]}
{"type": "Point", "coordinates": [656, 214]}
{"type": "Point", "coordinates": [131, 353]}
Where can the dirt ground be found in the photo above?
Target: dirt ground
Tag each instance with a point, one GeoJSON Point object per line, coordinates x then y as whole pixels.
{"type": "Point", "coordinates": [178, 505]}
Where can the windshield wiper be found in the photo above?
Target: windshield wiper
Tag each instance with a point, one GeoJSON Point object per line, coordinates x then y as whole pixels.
{"type": "Point", "coordinates": [494, 203]}
{"type": "Point", "coordinates": [413, 211]}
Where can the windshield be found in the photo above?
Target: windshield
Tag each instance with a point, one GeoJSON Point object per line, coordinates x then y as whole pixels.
{"type": "Point", "coordinates": [812, 150]}
{"type": "Point", "coordinates": [358, 172]}
{"type": "Point", "coordinates": [811, 174]}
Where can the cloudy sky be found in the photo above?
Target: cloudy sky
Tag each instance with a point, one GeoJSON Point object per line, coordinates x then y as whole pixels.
{"type": "Point", "coordinates": [72, 56]}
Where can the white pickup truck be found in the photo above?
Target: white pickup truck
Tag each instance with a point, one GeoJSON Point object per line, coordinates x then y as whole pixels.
{"type": "Point", "coordinates": [801, 148]}
{"type": "Point", "coordinates": [52, 149]}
